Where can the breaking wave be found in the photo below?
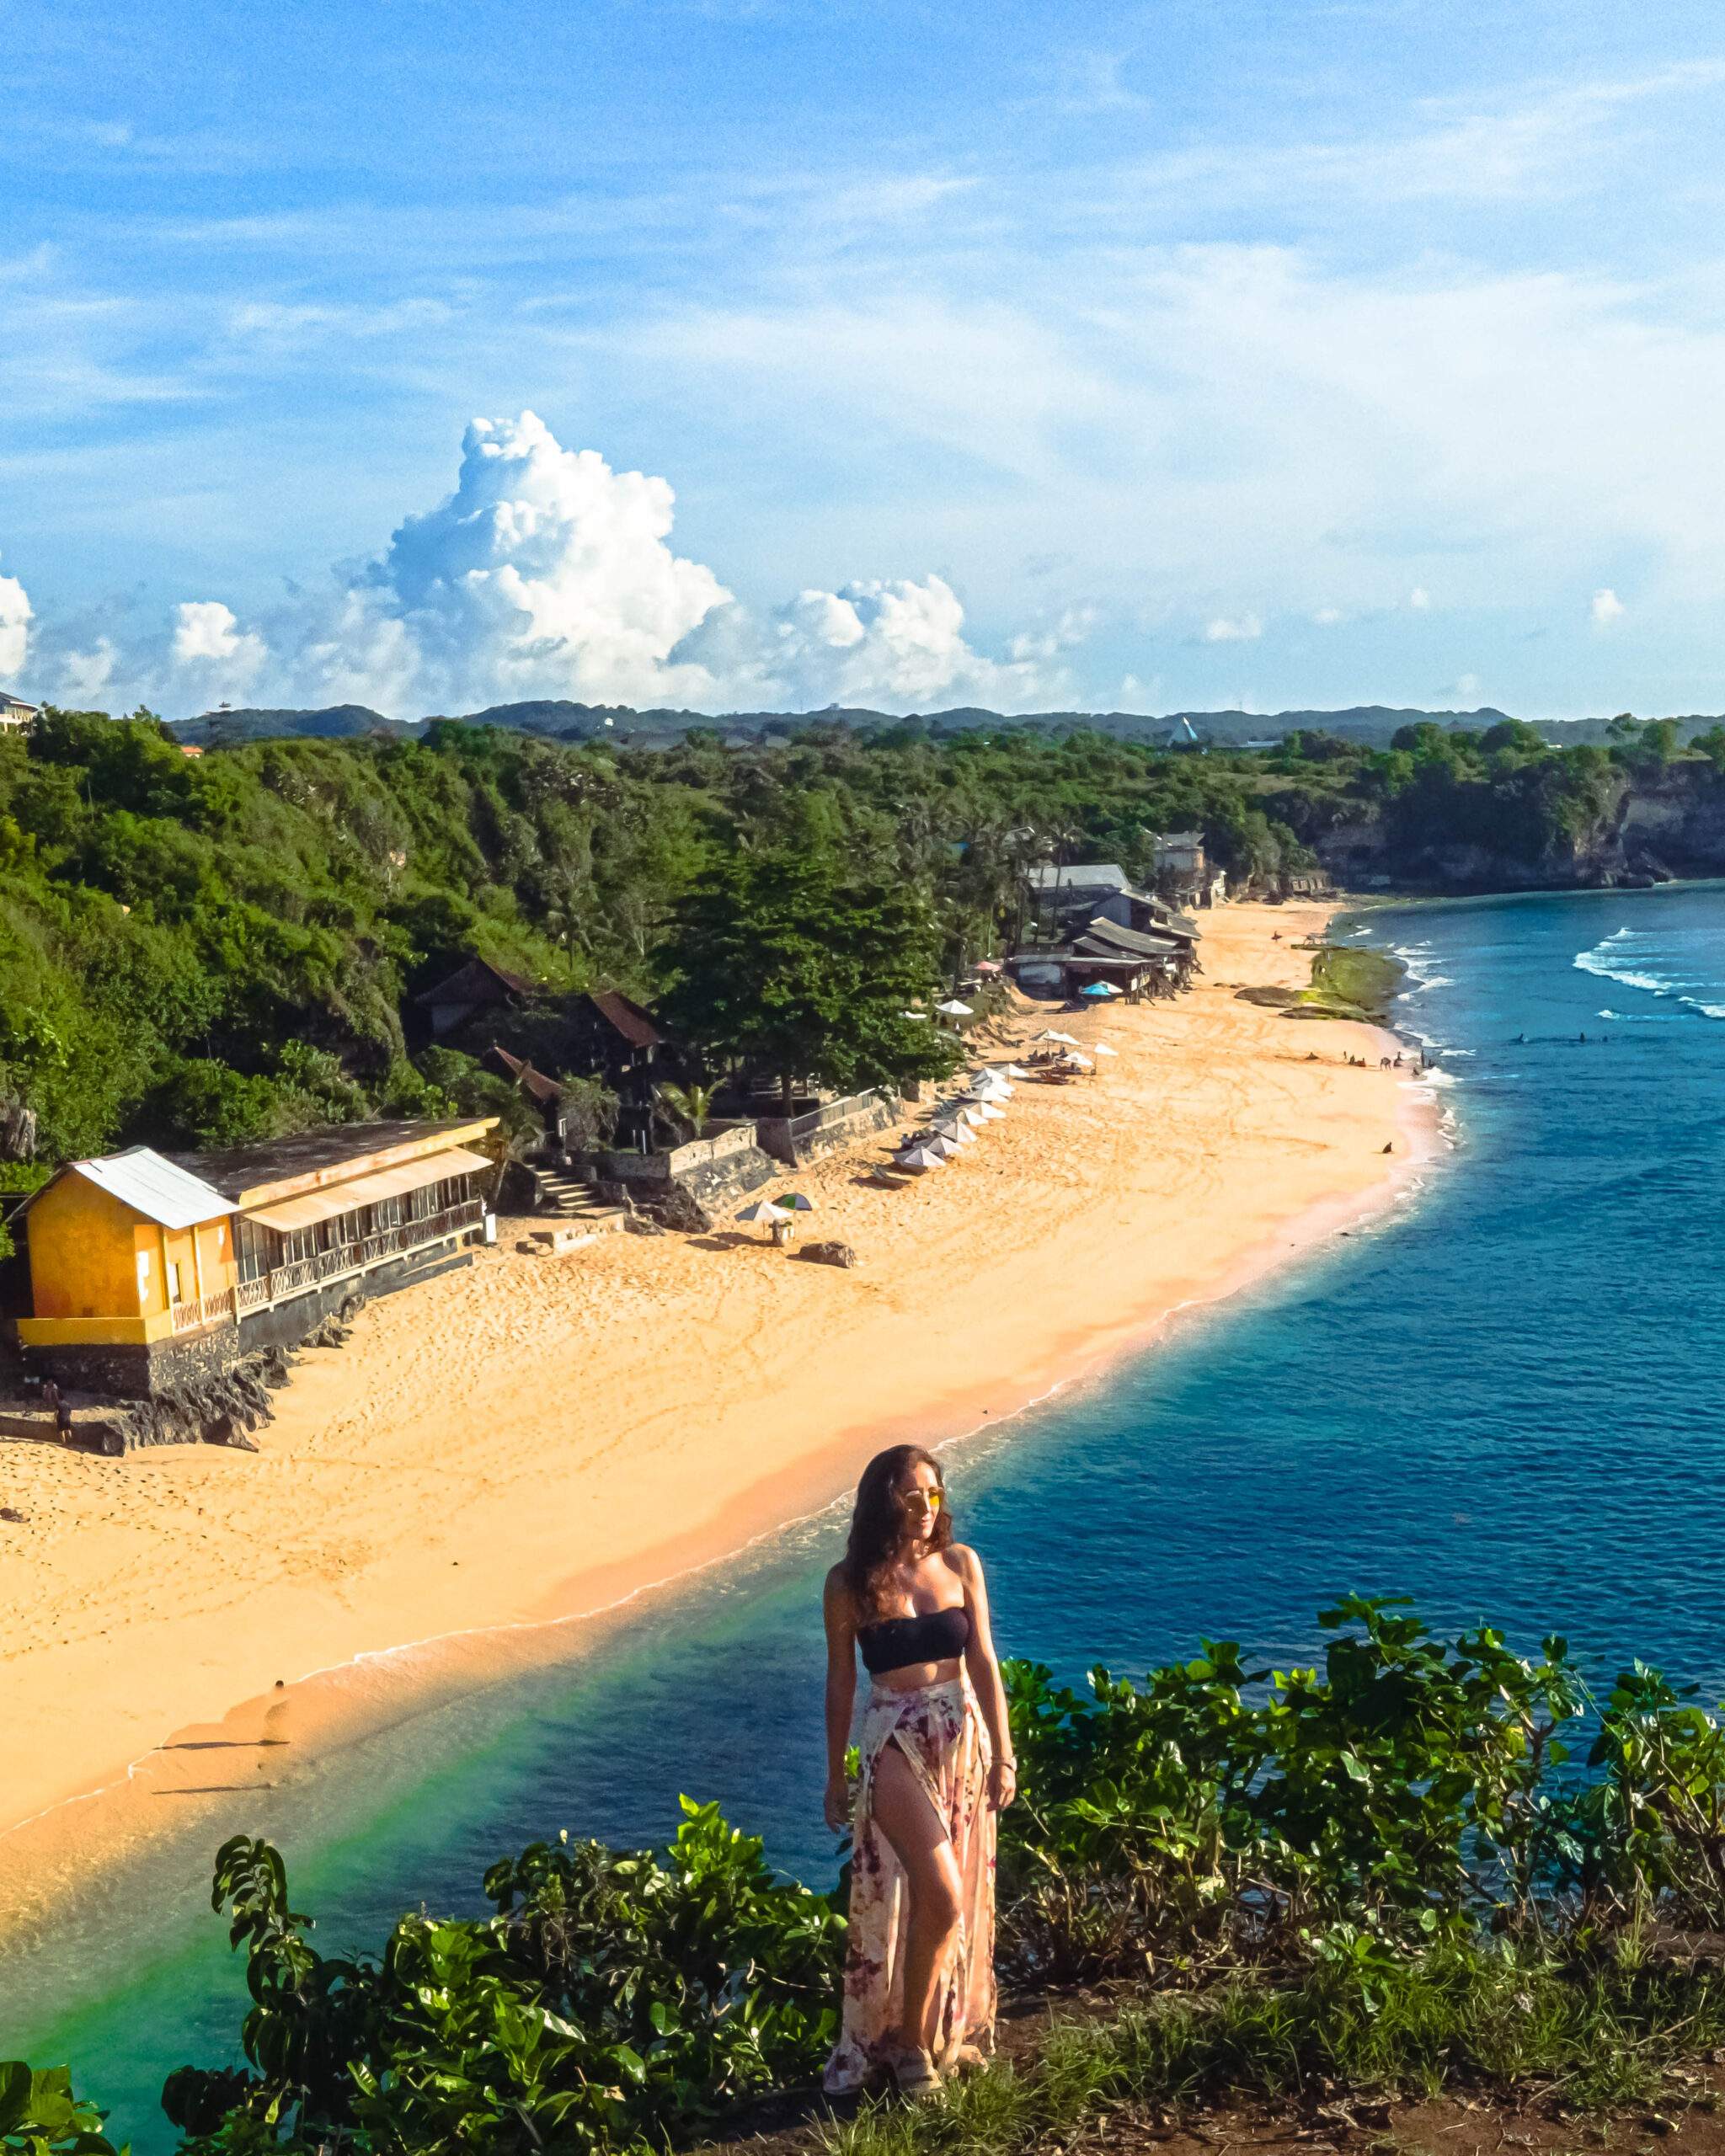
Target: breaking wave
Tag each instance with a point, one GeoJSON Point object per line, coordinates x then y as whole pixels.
{"type": "Point", "coordinates": [1672, 968]}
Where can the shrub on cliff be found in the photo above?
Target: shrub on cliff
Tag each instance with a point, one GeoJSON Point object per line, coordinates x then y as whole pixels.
{"type": "Point", "coordinates": [612, 1998]}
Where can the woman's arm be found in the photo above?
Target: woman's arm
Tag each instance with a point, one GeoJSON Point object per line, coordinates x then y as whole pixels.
{"type": "Point", "coordinates": [983, 1666]}
{"type": "Point", "coordinates": [840, 1694]}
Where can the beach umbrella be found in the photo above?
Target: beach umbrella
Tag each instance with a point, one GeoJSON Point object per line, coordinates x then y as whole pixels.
{"type": "Point", "coordinates": [991, 1114]}
{"type": "Point", "coordinates": [920, 1158]}
{"type": "Point", "coordinates": [953, 1009]}
{"type": "Point", "coordinates": [955, 1134]}
{"type": "Point", "coordinates": [1074, 1061]}
{"type": "Point", "coordinates": [794, 1202]}
{"type": "Point", "coordinates": [766, 1212]}
{"type": "Point", "coordinates": [1096, 988]}
{"type": "Point", "coordinates": [946, 1144]}
{"type": "Point", "coordinates": [1101, 1048]}
{"type": "Point", "coordinates": [1014, 1070]}
{"type": "Point", "coordinates": [1071, 1039]}
{"type": "Point", "coordinates": [1113, 988]}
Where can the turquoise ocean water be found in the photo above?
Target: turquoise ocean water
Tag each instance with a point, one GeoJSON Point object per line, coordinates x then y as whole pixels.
{"type": "Point", "coordinates": [1504, 1400]}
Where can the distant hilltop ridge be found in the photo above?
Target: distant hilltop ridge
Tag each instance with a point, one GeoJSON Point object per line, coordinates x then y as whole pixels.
{"type": "Point", "coordinates": [1372, 724]}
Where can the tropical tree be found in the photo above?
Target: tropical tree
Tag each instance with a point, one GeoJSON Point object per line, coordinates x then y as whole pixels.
{"type": "Point", "coordinates": [785, 961]}
{"type": "Point", "coordinates": [689, 1104]}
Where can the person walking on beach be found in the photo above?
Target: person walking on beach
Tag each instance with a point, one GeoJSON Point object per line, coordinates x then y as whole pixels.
{"type": "Point", "coordinates": [936, 1765]}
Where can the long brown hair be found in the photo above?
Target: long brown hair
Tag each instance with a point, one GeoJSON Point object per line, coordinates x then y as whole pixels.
{"type": "Point", "coordinates": [878, 1524]}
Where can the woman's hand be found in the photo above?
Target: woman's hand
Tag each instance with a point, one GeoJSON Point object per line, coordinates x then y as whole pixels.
{"type": "Point", "coordinates": [837, 1803]}
{"type": "Point", "coordinates": [1003, 1784]}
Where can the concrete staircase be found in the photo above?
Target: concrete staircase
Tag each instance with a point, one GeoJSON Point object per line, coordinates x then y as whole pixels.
{"type": "Point", "coordinates": [569, 1200]}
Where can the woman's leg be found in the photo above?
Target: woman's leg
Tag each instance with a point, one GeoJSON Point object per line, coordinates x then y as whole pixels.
{"type": "Point", "coordinates": [905, 1816]}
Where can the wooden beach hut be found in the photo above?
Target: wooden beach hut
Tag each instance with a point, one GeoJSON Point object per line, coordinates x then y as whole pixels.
{"type": "Point", "coordinates": [148, 1273]}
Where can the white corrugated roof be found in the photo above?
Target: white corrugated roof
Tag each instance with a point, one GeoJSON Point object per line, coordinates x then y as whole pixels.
{"type": "Point", "coordinates": [1081, 876]}
{"type": "Point", "coordinates": [155, 1188]}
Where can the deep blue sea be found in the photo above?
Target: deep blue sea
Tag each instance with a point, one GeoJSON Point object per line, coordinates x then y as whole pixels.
{"type": "Point", "coordinates": [1503, 1400]}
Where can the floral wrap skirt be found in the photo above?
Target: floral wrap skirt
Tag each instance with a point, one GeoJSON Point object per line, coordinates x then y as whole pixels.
{"type": "Point", "coordinates": [939, 1729]}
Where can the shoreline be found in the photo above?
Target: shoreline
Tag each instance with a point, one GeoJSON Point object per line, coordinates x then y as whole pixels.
{"type": "Point", "coordinates": [1230, 1096]}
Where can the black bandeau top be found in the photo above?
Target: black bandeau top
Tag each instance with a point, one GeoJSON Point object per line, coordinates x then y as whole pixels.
{"type": "Point", "coordinates": [896, 1642]}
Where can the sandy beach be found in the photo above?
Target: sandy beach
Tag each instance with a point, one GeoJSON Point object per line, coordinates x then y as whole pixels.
{"type": "Point", "coordinates": [531, 1439]}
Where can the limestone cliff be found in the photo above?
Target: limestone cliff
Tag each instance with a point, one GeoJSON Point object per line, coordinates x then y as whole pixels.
{"type": "Point", "coordinates": [1648, 827]}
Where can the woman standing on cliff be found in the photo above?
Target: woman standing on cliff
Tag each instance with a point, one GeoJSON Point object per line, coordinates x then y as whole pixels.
{"type": "Point", "coordinates": [937, 1765]}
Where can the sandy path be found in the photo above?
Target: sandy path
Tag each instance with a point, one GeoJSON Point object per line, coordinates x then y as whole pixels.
{"type": "Point", "coordinates": [535, 1437]}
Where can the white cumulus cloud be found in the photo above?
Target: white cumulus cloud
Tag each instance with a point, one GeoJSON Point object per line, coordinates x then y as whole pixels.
{"type": "Point", "coordinates": [15, 619]}
{"type": "Point", "coordinates": [544, 574]}
{"type": "Point", "coordinates": [206, 629]}
{"type": "Point", "coordinates": [1238, 628]}
{"type": "Point", "coordinates": [1606, 607]}
{"type": "Point", "coordinates": [210, 653]}
{"type": "Point", "coordinates": [896, 642]}
{"type": "Point", "coordinates": [547, 573]}
{"type": "Point", "coordinates": [1419, 599]}
{"type": "Point", "coordinates": [84, 676]}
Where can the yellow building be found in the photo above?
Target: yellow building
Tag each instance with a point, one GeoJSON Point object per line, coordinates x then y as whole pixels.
{"type": "Point", "coordinates": [148, 1272]}
{"type": "Point", "coordinates": [126, 1251]}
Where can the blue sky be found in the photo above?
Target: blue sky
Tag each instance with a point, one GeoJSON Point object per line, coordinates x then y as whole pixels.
{"type": "Point", "coordinates": [1103, 356]}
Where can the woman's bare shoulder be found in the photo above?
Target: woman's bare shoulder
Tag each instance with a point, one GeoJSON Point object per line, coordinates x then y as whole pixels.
{"type": "Point", "coordinates": [965, 1561]}
{"type": "Point", "coordinates": [835, 1591]}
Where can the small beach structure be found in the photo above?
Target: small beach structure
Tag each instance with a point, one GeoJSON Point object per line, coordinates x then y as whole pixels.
{"type": "Point", "coordinates": [150, 1274]}
{"type": "Point", "coordinates": [951, 1008]}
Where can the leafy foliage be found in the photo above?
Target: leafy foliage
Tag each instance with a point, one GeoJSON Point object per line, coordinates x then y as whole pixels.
{"type": "Point", "coordinates": [40, 2116]}
{"type": "Point", "coordinates": [611, 1997]}
{"type": "Point", "coordinates": [786, 962]}
{"type": "Point", "coordinates": [1412, 1793]}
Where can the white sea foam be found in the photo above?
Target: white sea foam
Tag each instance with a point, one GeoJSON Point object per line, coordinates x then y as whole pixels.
{"type": "Point", "coordinates": [1629, 957]}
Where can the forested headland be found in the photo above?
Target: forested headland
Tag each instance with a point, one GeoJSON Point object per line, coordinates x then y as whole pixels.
{"type": "Point", "coordinates": [216, 948]}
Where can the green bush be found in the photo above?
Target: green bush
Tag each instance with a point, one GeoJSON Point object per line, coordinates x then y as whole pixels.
{"type": "Point", "coordinates": [40, 2116]}
{"type": "Point", "coordinates": [612, 1999]}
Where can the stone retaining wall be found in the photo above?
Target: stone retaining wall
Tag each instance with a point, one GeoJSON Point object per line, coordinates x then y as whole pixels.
{"type": "Point", "coordinates": [678, 1188]}
{"type": "Point", "coordinates": [801, 1138]}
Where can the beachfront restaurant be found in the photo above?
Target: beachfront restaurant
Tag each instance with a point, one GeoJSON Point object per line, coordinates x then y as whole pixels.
{"type": "Point", "coordinates": [148, 1272]}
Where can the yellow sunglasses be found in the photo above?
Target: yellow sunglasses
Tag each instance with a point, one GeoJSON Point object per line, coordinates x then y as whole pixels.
{"type": "Point", "coordinates": [932, 1499]}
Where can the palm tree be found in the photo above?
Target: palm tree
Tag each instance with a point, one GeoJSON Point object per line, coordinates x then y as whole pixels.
{"type": "Point", "coordinates": [689, 1104]}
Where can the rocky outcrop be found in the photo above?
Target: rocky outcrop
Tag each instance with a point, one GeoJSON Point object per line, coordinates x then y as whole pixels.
{"type": "Point", "coordinates": [221, 1409]}
{"type": "Point", "coordinates": [18, 1131]}
{"type": "Point", "coordinates": [1642, 829]}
